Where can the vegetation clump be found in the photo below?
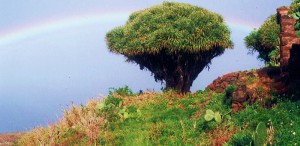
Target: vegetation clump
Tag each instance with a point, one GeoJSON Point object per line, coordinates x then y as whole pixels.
{"type": "Point", "coordinates": [260, 134]}
{"type": "Point", "coordinates": [165, 119]}
{"type": "Point", "coordinates": [295, 13]}
{"type": "Point", "coordinates": [175, 41]}
{"type": "Point", "coordinates": [265, 41]}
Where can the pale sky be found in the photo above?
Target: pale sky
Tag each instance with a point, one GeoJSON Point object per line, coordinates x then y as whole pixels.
{"type": "Point", "coordinates": [54, 52]}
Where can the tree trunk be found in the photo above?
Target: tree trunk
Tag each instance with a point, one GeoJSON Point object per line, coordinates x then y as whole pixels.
{"type": "Point", "coordinates": [177, 70]}
{"type": "Point", "coordinates": [179, 85]}
{"type": "Point", "coordinates": [178, 80]}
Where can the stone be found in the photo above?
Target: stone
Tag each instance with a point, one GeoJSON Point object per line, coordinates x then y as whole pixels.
{"type": "Point", "coordinates": [286, 55]}
{"type": "Point", "coordinates": [282, 11]}
{"type": "Point", "coordinates": [284, 18]}
{"type": "Point", "coordinates": [288, 34]}
{"type": "Point", "coordinates": [287, 28]}
{"type": "Point", "coordinates": [236, 107]}
{"type": "Point", "coordinates": [240, 95]}
{"type": "Point", "coordinates": [287, 22]}
{"type": "Point", "coordinates": [253, 95]}
{"type": "Point", "coordinates": [219, 90]}
{"type": "Point", "coordinates": [296, 41]}
{"type": "Point", "coordinates": [286, 40]}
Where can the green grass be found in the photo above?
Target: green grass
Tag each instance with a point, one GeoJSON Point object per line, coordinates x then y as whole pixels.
{"type": "Point", "coordinates": [284, 118]}
{"type": "Point", "coordinates": [168, 118]}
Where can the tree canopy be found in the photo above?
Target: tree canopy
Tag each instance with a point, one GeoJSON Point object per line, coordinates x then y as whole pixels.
{"type": "Point", "coordinates": [295, 6]}
{"type": "Point", "coordinates": [265, 41]}
{"type": "Point", "coordinates": [175, 41]}
{"type": "Point", "coordinates": [175, 27]}
{"type": "Point", "coordinates": [295, 13]}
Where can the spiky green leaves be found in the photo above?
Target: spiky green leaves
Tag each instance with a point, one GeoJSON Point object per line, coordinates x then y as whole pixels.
{"type": "Point", "coordinates": [295, 6]}
{"type": "Point", "coordinates": [265, 40]}
{"type": "Point", "coordinates": [260, 134]}
{"type": "Point", "coordinates": [174, 41]}
{"type": "Point", "coordinates": [266, 36]}
{"type": "Point", "coordinates": [176, 27]}
{"type": "Point", "coordinates": [295, 13]}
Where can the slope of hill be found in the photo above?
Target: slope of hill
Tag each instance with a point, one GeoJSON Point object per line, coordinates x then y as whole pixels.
{"type": "Point", "coordinates": [167, 118]}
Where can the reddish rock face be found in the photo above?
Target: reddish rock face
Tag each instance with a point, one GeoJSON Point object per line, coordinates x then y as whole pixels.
{"type": "Point", "coordinates": [250, 86]}
{"type": "Point", "coordinates": [240, 95]}
{"type": "Point", "coordinates": [289, 51]}
{"type": "Point", "coordinates": [219, 85]}
{"type": "Point", "coordinates": [287, 38]}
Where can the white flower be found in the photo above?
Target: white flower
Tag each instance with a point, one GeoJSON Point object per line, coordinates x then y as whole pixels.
{"type": "Point", "coordinates": [294, 133]}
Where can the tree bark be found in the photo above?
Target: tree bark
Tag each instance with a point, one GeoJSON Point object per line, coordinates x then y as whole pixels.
{"type": "Point", "coordinates": [178, 70]}
{"type": "Point", "coordinates": [178, 80]}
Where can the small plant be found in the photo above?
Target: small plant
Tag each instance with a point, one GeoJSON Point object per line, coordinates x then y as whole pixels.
{"type": "Point", "coordinates": [242, 138]}
{"type": "Point", "coordinates": [259, 90]}
{"type": "Point", "coordinates": [228, 94]}
{"type": "Point", "coordinates": [130, 112]}
{"type": "Point", "coordinates": [251, 80]}
{"type": "Point", "coordinates": [229, 90]}
{"type": "Point", "coordinates": [260, 134]}
{"type": "Point", "coordinates": [296, 15]}
{"type": "Point", "coordinates": [132, 109]}
{"type": "Point", "coordinates": [113, 101]}
{"type": "Point", "coordinates": [274, 56]}
{"type": "Point", "coordinates": [199, 91]}
{"type": "Point", "coordinates": [210, 115]}
{"type": "Point", "coordinates": [123, 91]}
{"type": "Point", "coordinates": [123, 114]}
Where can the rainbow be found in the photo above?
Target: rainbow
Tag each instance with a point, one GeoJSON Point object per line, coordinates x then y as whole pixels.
{"type": "Point", "coordinates": [241, 25]}
{"type": "Point", "coordinates": [17, 34]}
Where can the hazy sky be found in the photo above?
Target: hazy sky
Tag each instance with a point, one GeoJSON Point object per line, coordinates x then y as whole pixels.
{"type": "Point", "coordinates": [54, 52]}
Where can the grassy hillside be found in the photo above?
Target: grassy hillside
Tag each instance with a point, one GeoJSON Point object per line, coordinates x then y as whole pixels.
{"type": "Point", "coordinates": [168, 118]}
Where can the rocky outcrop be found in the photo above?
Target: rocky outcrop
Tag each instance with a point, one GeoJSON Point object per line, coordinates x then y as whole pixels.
{"type": "Point", "coordinates": [288, 37]}
{"type": "Point", "coordinates": [289, 51]}
{"type": "Point", "coordinates": [250, 86]}
{"type": "Point", "coordinates": [219, 85]}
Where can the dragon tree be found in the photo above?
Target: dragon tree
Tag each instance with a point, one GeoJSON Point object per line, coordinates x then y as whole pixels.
{"type": "Point", "coordinates": [265, 40]}
{"type": "Point", "coordinates": [175, 41]}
